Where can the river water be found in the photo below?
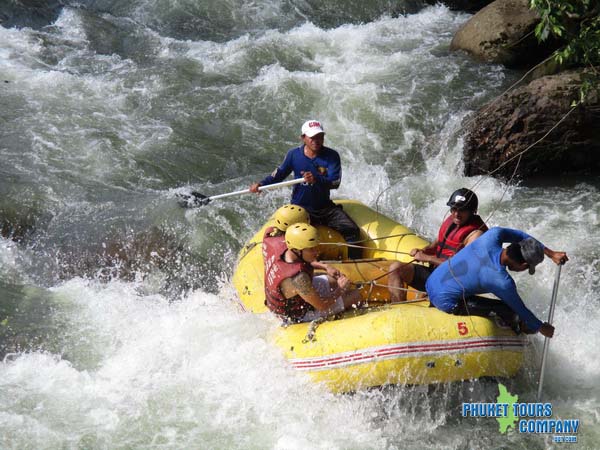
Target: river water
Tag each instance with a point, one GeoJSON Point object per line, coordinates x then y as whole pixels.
{"type": "Point", "coordinates": [118, 322]}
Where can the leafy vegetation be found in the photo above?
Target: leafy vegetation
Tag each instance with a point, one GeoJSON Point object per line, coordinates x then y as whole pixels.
{"type": "Point", "coordinates": [576, 23]}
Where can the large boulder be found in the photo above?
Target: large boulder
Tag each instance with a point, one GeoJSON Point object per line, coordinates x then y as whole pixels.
{"type": "Point", "coordinates": [509, 125]}
{"type": "Point", "coordinates": [502, 33]}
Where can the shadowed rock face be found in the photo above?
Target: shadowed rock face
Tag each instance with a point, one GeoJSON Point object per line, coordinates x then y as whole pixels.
{"type": "Point", "coordinates": [19, 222]}
{"type": "Point", "coordinates": [29, 13]}
{"type": "Point", "coordinates": [15, 228]}
{"type": "Point", "coordinates": [502, 32]}
{"type": "Point", "coordinates": [121, 257]}
{"type": "Point", "coordinates": [509, 125]}
{"type": "Point", "coordinates": [153, 252]}
{"type": "Point", "coordinates": [463, 5]}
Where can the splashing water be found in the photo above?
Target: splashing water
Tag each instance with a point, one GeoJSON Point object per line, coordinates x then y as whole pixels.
{"type": "Point", "coordinates": [118, 323]}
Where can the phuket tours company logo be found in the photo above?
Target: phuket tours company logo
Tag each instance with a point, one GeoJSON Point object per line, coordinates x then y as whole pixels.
{"type": "Point", "coordinates": [526, 418]}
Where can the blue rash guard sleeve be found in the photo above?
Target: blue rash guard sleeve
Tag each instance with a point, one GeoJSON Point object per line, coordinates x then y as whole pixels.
{"type": "Point", "coordinates": [281, 172]}
{"type": "Point", "coordinates": [476, 269]}
{"type": "Point", "coordinates": [509, 295]}
{"type": "Point", "coordinates": [326, 168]}
{"type": "Point", "coordinates": [292, 162]}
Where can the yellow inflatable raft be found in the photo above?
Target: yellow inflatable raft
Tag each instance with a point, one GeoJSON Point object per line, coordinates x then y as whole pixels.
{"type": "Point", "coordinates": [404, 343]}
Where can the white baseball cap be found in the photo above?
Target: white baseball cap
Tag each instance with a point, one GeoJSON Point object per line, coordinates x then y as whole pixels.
{"type": "Point", "coordinates": [312, 127]}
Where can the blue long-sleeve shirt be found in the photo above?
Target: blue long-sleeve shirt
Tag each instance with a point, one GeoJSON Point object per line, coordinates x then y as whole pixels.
{"type": "Point", "coordinates": [476, 269]}
{"type": "Point", "coordinates": [326, 168]}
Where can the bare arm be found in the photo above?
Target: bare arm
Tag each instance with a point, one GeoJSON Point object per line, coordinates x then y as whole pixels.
{"type": "Point", "coordinates": [472, 236]}
{"type": "Point", "coordinates": [420, 255]}
{"type": "Point", "coordinates": [557, 257]}
{"type": "Point", "coordinates": [426, 256]}
{"type": "Point", "coordinates": [301, 285]}
{"type": "Point", "coordinates": [429, 250]}
{"type": "Point", "coordinates": [331, 271]}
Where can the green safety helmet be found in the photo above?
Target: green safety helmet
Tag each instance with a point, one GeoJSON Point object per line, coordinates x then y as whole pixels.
{"type": "Point", "coordinates": [290, 214]}
{"type": "Point", "coordinates": [300, 236]}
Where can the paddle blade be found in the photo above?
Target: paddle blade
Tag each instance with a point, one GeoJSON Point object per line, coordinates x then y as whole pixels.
{"type": "Point", "coordinates": [192, 200]}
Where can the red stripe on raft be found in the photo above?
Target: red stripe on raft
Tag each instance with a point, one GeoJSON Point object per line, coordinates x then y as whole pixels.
{"type": "Point", "coordinates": [417, 349]}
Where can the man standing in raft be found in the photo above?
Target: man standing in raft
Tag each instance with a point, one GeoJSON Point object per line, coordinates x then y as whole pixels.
{"type": "Point", "coordinates": [321, 169]}
{"type": "Point", "coordinates": [291, 290]}
{"type": "Point", "coordinates": [482, 267]}
{"type": "Point", "coordinates": [461, 228]}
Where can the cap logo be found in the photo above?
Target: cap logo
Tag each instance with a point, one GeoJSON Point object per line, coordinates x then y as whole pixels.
{"type": "Point", "coordinates": [459, 198]}
{"type": "Point", "coordinates": [312, 128]}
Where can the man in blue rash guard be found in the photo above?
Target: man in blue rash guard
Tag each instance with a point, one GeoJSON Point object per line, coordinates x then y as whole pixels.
{"type": "Point", "coordinates": [481, 267]}
{"type": "Point", "coordinates": [321, 169]}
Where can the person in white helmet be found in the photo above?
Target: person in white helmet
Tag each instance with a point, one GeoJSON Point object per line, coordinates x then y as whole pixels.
{"type": "Point", "coordinates": [320, 166]}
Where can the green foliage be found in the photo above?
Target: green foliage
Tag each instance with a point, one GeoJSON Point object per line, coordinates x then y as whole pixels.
{"type": "Point", "coordinates": [575, 23]}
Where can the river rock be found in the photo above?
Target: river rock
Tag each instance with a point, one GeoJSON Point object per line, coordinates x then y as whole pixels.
{"type": "Point", "coordinates": [19, 222]}
{"type": "Point", "coordinates": [463, 5]}
{"type": "Point", "coordinates": [502, 33]}
{"type": "Point", "coordinates": [509, 125]}
{"type": "Point", "coordinates": [35, 14]}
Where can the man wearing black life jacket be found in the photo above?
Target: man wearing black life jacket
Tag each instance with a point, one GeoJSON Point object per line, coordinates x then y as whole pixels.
{"type": "Point", "coordinates": [291, 290]}
{"type": "Point", "coordinates": [461, 228]}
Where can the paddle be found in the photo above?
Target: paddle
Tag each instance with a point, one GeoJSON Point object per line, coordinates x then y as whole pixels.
{"type": "Point", "coordinates": [547, 340]}
{"type": "Point", "coordinates": [196, 199]}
